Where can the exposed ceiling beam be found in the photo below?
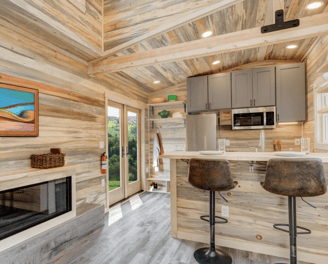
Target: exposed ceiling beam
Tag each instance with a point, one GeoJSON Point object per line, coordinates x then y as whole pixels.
{"type": "Point", "coordinates": [273, 6]}
{"type": "Point", "coordinates": [170, 26]}
{"type": "Point", "coordinates": [310, 26]}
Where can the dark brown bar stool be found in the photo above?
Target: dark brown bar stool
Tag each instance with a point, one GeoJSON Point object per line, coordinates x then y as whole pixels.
{"type": "Point", "coordinates": [294, 178]}
{"type": "Point", "coordinates": [211, 175]}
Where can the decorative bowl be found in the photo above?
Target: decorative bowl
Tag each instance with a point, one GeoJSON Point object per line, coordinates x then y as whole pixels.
{"type": "Point", "coordinates": [157, 100]}
{"type": "Point", "coordinates": [164, 114]}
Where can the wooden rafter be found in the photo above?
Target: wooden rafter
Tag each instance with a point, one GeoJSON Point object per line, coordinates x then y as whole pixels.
{"type": "Point", "coordinates": [311, 26]}
{"type": "Point", "coordinates": [170, 26]}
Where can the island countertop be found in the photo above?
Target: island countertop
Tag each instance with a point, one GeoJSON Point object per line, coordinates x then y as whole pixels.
{"type": "Point", "coordinates": [242, 156]}
{"type": "Point", "coordinates": [252, 210]}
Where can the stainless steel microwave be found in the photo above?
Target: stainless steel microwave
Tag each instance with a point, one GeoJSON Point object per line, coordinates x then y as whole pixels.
{"type": "Point", "coordinates": [254, 118]}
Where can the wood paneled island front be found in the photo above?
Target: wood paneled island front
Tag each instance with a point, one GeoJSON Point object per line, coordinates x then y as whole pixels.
{"type": "Point", "coordinates": [252, 210]}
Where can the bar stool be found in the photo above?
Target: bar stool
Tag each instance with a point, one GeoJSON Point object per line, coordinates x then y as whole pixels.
{"type": "Point", "coordinates": [211, 175]}
{"type": "Point", "coordinates": [294, 178]}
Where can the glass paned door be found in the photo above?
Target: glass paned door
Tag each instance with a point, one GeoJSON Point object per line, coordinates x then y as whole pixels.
{"type": "Point", "coordinates": [132, 127]}
{"type": "Point", "coordinates": [123, 126]}
{"type": "Point", "coordinates": [115, 114]}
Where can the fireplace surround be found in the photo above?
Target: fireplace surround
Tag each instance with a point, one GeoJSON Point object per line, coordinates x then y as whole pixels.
{"type": "Point", "coordinates": [34, 202]}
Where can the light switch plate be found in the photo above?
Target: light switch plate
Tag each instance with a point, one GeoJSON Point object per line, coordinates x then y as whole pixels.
{"type": "Point", "coordinates": [227, 142]}
{"type": "Point", "coordinates": [225, 211]}
{"type": "Point", "coordinates": [103, 182]}
{"type": "Point", "coordinates": [101, 144]}
{"type": "Point", "coordinates": [297, 141]}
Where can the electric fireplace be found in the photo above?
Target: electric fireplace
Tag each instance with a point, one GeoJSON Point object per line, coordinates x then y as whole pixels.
{"type": "Point", "coordinates": [28, 206]}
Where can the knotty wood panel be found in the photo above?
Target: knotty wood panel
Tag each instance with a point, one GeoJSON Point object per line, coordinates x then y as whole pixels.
{"type": "Point", "coordinates": [252, 211]}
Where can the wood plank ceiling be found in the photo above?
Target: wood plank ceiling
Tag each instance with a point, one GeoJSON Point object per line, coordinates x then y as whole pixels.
{"type": "Point", "coordinates": [58, 23]}
{"type": "Point", "coordinates": [244, 15]}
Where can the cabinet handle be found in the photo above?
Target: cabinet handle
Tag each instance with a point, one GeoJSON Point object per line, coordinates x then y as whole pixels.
{"type": "Point", "coordinates": [250, 102]}
{"type": "Point", "coordinates": [254, 102]}
{"type": "Point", "coordinates": [209, 106]}
{"type": "Point", "coordinates": [278, 117]}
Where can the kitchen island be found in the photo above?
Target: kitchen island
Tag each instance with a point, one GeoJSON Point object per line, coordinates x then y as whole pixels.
{"type": "Point", "coordinates": [252, 210]}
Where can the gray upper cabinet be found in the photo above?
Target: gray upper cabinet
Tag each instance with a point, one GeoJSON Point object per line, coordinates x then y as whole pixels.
{"type": "Point", "coordinates": [197, 96]}
{"type": "Point", "coordinates": [242, 89]}
{"type": "Point", "coordinates": [264, 87]}
{"type": "Point", "coordinates": [219, 91]}
{"type": "Point", "coordinates": [291, 93]}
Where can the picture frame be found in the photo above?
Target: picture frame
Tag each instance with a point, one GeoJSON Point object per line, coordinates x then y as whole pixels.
{"type": "Point", "coordinates": [19, 111]}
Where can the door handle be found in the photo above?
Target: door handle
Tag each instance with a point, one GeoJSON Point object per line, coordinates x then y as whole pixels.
{"type": "Point", "coordinates": [122, 152]}
{"type": "Point", "coordinates": [127, 150]}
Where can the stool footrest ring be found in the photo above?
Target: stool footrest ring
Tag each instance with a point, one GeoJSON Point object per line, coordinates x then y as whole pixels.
{"type": "Point", "coordinates": [217, 222]}
{"type": "Point", "coordinates": [308, 231]}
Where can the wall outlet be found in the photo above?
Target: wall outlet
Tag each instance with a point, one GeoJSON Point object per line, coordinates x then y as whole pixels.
{"type": "Point", "coordinates": [101, 144]}
{"type": "Point", "coordinates": [297, 141]}
{"type": "Point", "coordinates": [227, 142]}
{"type": "Point", "coordinates": [225, 211]}
{"type": "Point", "coordinates": [103, 182]}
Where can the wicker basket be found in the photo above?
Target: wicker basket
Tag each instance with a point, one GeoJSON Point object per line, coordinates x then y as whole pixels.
{"type": "Point", "coordinates": [47, 161]}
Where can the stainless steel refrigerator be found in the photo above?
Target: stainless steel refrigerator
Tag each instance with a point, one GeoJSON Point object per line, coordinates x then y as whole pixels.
{"type": "Point", "coordinates": [201, 132]}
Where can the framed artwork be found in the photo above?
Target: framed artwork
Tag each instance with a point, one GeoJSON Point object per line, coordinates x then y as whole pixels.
{"type": "Point", "coordinates": [19, 111]}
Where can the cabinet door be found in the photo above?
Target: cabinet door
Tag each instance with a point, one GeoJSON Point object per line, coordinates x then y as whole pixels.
{"type": "Point", "coordinates": [264, 87]}
{"type": "Point", "coordinates": [219, 91]}
{"type": "Point", "coordinates": [291, 93]}
{"type": "Point", "coordinates": [242, 89]}
{"type": "Point", "coordinates": [197, 94]}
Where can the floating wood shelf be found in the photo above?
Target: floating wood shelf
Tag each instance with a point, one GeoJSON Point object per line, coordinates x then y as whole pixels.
{"type": "Point", "coordinates": [167, 119]}
{"type": "Point", "coordinates": [158, 179]}
{"type": "Point", "coordinates": [172, 103]}
{"type": "Point", "coordinates": [323, 111]}
{"type": "Point", "coordinates": [158, 191]}
{"type": "Point", "coordinates": [323, 89]}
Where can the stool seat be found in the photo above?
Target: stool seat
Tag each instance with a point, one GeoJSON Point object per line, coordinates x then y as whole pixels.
{"type": "Point", "coordinates": [211, 175]}
{"type": "Point", "coordinates": [295, 177]}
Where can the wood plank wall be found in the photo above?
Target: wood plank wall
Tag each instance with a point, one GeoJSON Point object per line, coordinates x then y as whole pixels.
{"type": "Point", "coordinates": [174, 136]}
{"type": "Point", "coordinates": [72, 110]}
{"type": "Point", "coordinates": [315, 59]}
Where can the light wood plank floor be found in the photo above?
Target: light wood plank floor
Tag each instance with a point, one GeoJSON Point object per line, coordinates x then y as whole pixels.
{"type": "Point", "coordinates": [143, 236]}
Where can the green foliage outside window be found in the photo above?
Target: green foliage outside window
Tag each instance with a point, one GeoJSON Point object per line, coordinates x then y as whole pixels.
{"type": "Point", "coordinates": [114, 153]}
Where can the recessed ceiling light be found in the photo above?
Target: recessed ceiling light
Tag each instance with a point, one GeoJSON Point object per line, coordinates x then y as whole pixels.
{"type": "Point", "coordinates": [207, 34]}
{"type": "Point", "coordinates": [291, 46]}
{"type": "Point", "coordinates": [314, 5]}
{"type": "Point", "coordinates": [157, 82]}
{"type": "Point", "coordinates": [216, 62]}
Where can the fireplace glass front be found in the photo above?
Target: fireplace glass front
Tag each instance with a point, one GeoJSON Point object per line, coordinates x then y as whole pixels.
{"type": "Point", "coordinates": [28, 206]}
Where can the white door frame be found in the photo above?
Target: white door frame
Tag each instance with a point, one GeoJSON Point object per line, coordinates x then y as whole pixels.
{"type": "Point", "coordinates": [139, 105]}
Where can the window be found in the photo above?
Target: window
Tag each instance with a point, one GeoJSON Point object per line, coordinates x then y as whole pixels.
{"type": "Point", "coordinates": [80, 4]}
{"type": "Point", "coordinates": [322, 118]}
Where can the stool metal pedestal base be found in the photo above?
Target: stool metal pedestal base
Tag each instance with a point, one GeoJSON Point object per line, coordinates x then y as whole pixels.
{"type": "Point", "coordinates": [205, 256]}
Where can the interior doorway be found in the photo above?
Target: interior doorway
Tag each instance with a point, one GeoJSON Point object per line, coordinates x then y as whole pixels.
{"type": "Point", "coordinates": [123, 151]}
